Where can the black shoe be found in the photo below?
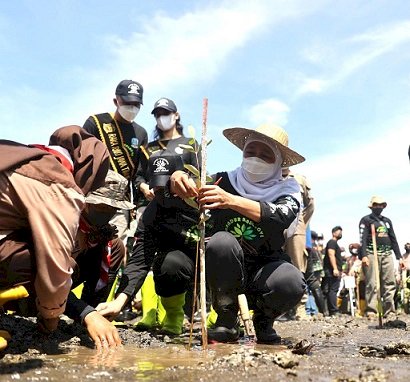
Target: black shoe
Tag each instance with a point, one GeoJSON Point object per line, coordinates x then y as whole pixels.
{"type": "Point", "coordinates": [126, 315]}
{"type": "Point", "coordinates": [264, 331]}
{"type": "Point", "coordinates": [226, 327]}
{"type": "Point", "coordinates": [222, 334]}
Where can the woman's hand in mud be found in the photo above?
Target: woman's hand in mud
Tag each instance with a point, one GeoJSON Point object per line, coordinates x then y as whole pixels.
{"type": "Point", "coordinates": [182, 185]}
{"type": "Point", "coordinates": [102, 332]}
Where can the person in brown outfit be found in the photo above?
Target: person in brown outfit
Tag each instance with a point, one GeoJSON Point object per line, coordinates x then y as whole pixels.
{"type": "Point", "coordinates": [42, 191]}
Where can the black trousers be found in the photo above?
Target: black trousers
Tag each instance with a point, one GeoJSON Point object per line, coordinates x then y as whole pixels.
{"type": "Point", "coordinates": [271, 285]}
{"type": "Point", "coordinates": [330, 287]}
{"type": "Point", "coordinates": [173, 272]}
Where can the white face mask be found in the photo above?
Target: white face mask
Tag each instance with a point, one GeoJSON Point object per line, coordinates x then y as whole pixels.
{"type": "Point", "coordinates": [166, 122]}
{"type": "Point", "coordinates": [128, 112]}
{"type": "Point", "coordinates": [256, 169]}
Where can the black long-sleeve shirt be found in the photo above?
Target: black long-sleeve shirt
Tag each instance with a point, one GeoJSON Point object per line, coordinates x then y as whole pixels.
{"type": "Point", "coordinates": [385, 237]}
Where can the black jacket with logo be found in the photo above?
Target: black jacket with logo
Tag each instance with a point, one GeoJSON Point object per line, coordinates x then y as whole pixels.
{"type": "Point", "coordinates": [264, 239]}
{"type": "Point", "coordinates": [163, 229]}
{"type": "Point", "coordinates": [385, 237]}
{"type": "Point", "coordinates": [165, 147]}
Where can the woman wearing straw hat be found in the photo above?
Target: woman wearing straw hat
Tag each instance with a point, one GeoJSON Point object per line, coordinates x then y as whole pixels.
{"type": "Point", "coordinates": [250, 208]}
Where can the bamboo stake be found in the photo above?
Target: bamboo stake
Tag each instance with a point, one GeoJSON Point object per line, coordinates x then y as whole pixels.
{"type": "Point", "coordinates": [204, 143]}
{"type": "Point", "coordinates": [194, 298]}
{"type": "Point", "coordinates": [377, 275]}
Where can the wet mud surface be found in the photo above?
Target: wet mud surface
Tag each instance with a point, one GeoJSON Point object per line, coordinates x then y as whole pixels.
{"type": "Point", "coordinates": [338, 349]}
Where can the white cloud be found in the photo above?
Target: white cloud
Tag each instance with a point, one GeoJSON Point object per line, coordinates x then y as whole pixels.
{"type": "Point", "coordinates": [269, 110]}
{"type": "Point", "coordinates": [351, 55]}
{"type": "Point", "coordinates": [311, 85]}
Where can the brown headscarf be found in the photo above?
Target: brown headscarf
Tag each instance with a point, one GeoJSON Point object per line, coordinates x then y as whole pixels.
{"type": "Point", "coordinates": [90, 156]}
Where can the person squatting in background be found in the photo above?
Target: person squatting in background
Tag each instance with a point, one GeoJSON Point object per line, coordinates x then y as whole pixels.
{"type": "Point", "coordinates": [386, 242]}
{"type": "Point", "coordinates": [167, 233]}
{"type": "Point", "coordinates": [250, 209]}
{"type": "Point", "coordinates": [42, 192]}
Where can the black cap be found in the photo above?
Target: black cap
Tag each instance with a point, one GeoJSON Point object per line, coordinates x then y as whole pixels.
{"type": "Point", "coordinates": [314, 235]}
{"type": "Point", "coordinates": [166, 104]}
{"type": "Point", "coordinates": [334, 229]}
{"type": "Point", "coordinates": [130, 91]}
{"type": "Point", "coordinates": [161, 167]}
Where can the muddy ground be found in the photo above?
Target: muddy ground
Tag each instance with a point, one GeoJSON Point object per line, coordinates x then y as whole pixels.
{"type": "Point", "coordinates": [344, 349]}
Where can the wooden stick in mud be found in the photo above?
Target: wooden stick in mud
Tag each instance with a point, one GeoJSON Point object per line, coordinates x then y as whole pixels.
{"type": "Point", "coordinates": [204, 143]}
{"type": "Point", "coordinates": [377, 275]}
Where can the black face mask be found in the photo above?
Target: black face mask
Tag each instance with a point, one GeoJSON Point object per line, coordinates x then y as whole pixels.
{"type": "Point", "coordinates": [407, 249]}
{"type": "Point", "coordinates": [377, 210]}
{"type": "Point", "coordinates": [99, 218]}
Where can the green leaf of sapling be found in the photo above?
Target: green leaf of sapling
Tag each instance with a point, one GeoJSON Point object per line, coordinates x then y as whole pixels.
{"type": "Point", "coordinates": [192, 169]}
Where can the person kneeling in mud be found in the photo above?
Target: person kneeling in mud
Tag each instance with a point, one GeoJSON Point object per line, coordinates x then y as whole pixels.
{"type": "Point", "coordinates": [42, 192]}
{"type": "Point", "coordinates": [250, 208]}
{"type": "Point", "coordinates": [99, 254]}
{"type": "Point", "coordinates": [163, 256]}
{"type": "Point", "coordinates": [165, 242]}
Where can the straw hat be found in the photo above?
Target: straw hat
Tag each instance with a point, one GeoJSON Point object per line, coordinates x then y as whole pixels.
{"type": "Point", "coordinates": [270, 134]}
{"type": "Point", "coordinates": [378, 200]}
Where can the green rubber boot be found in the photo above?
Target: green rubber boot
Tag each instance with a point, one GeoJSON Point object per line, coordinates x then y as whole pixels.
{"type": "Point", "coordinates": [211, 319]}
{"type": "Point", "coordinates": [161, 313]}
{"type": "Point", "coordinates": [149, 304]}
{"type": "Point", "coordinates": [174, 314]}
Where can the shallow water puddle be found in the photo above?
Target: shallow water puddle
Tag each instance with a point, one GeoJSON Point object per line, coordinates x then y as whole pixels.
{"type": "Point", "coordinates": [142, 360]}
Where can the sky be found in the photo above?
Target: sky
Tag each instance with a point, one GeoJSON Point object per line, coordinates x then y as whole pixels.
{"type": "Point", "coordinates": [335, 75]}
